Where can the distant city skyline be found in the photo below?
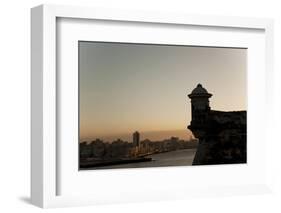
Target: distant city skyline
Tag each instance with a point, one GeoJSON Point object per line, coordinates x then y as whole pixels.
{"type": "Point", "coordinates": [135, 87]}
{"type": "Point", "coordinates": [151, 135]}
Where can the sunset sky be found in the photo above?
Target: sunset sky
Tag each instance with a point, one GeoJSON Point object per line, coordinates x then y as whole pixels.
{"type": "Point", "coordinates": [129, 87]}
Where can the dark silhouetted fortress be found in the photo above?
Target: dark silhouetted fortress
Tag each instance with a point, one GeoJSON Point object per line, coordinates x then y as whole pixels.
{"type": "Point", "coordinates": [222, 135]}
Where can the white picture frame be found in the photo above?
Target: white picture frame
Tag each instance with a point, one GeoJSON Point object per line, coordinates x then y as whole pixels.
{"type": "Point", "coordinates": [45, 152]}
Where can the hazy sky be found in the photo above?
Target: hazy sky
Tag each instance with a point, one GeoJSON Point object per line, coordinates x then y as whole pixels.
{"type": "Point", "coordinates": [129, 87]}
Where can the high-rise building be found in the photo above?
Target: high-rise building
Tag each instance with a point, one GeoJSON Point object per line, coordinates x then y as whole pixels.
{"type": "Point", "coordinates": [136, 138]}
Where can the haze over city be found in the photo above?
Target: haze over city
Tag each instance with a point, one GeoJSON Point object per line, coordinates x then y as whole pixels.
{"type": "Point", "coordinates": [129, 87]}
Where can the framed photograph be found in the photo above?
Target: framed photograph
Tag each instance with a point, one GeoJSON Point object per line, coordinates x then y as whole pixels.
{"type": "Point", "coordinates": [129, 106]}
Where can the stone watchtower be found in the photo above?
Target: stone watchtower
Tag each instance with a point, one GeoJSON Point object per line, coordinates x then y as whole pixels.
{"type": "Point", "coordinates": [200, 109]}
{"type": "Point", "coordinates": [222, 135]}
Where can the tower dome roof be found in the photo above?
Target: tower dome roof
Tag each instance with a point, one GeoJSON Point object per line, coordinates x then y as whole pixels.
{"type": "Point", "coordinates": [199, 91]}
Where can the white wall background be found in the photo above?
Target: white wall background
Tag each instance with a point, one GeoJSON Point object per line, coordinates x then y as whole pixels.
{"type": "Point", "coordinates": [15, 104]}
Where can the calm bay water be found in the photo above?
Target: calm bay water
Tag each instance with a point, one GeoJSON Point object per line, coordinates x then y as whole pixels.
{"type": "Point", "coordinates": [175, 158]}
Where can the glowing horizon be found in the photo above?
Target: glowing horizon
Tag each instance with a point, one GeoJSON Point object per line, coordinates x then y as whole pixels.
{"type": "Point", "coordinates": [159, 135]}
{"type": "Point", "coordinates": [129, 87]}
